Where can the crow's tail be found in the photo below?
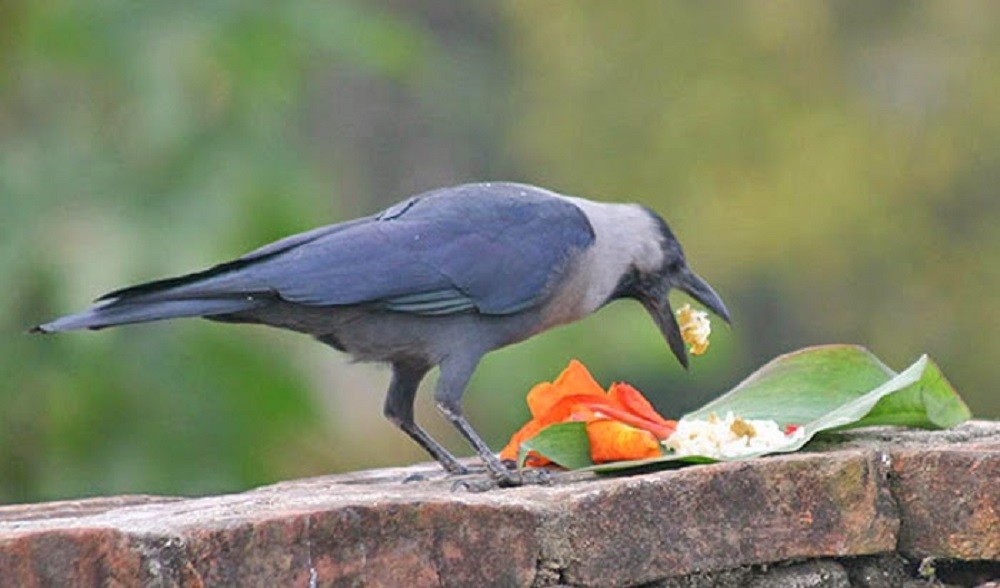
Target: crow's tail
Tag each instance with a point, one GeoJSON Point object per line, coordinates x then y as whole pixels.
{"type": "Point", "coordinates": [121, 311]}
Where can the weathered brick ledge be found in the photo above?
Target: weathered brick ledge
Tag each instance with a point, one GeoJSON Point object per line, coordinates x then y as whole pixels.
{"type": "Point", "coordinates": [916, 494]}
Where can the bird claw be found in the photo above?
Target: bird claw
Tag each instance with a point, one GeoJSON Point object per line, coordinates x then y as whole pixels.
{"type": "Point", "coordinates": [475, 486]}
{"type": "Point", "coordinates": [458, 470]}
{"type": "Point", "coordinates": [415, 478]}
{"type": "Point", "coordinates": [506, 479]}
{"type": "Point", "coordinates": [536, 477]}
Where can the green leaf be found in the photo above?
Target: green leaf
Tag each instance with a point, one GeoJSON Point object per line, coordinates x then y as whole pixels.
{"type": "Point", "coordinates": [566, 444]}
{"type": "Point", "coordinates": [831, 387]}
{"type": "Point", "coordinates": [929, 403]}
{"type": "Point", "coordinates": [802, 386]}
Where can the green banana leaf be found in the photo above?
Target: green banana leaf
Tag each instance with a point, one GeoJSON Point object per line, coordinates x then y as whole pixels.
{"type": "Point", "coordinates": [830, 387]}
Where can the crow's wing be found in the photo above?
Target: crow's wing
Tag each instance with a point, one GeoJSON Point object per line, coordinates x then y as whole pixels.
{"type": "Point", "coordinates": [495, 248]}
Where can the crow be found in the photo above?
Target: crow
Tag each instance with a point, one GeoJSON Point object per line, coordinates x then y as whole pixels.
{"type": "Point", "coordinates": [438, 280]}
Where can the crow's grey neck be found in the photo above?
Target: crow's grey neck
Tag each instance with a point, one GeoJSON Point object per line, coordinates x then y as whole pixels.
{"type": "Point", "coordinates": [627, 239]}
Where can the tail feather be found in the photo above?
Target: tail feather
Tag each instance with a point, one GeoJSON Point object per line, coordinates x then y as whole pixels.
{"type": "Point", "coordinates": [118, 311]}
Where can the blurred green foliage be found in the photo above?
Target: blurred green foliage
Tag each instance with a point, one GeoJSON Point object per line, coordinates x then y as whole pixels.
{"type": "Point", "coordinates": [830, 167]}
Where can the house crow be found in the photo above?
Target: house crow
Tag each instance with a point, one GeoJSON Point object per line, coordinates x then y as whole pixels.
{"type": "Point", "coordinates": [439, 279]}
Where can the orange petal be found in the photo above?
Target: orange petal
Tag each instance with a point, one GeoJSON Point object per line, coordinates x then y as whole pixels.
{"type": "Point", "coordinates": [581, 413]}
{"type": "Point", "coordinates": [572, 407]}
{"type": "Point", "coordinates": [614, 441]}
{"type": "Point", "coordinates": [577, 379]}
{"type": "Point", "coordinates": [586, 408]}
{"type": "Point", "coordinates": [633, 400]}
{"type": "Point", "coordinates": [574, 380]}
{"type": "Point", "coordinates": [536, 461]}
{"type": "Point", "coordinates": [541, 397]}
{"type": "Point", "coordinates": [621, 415]}
{"type": "Point", "coordinates": [529, 430]}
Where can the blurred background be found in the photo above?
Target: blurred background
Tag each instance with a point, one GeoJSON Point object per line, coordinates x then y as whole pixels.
{"type": "Point", "coordinates": [831, 167]}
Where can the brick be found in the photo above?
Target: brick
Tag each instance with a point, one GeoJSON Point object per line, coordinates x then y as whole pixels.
{"type": "Point", "coordinates": [949, 499]}
{"type": "Point", "coordinates": [723, 516]}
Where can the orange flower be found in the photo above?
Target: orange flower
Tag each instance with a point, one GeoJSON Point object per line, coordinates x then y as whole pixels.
{"type": "Point", "coordinates": [621, 424]}
{"type": "Point", "coordinates": [615, 441]}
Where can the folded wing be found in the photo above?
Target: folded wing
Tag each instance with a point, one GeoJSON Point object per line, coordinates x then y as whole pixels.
{"type": "Point", "coordinates": [492, 248]}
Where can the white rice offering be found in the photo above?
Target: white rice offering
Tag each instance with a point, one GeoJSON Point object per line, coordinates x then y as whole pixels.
{"type": "Point", "coordinates": [695, 328]}
{"type": "Point", "coordinates": [729, 437]}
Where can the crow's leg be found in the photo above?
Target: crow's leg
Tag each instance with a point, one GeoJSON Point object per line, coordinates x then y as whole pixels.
{"type": "Point", "coordinates": [399, 409]}
{"type": "Point", "coordinates": [455, 374]}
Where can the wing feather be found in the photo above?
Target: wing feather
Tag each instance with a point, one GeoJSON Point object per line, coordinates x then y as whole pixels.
{"type": "Point", "coordinates": [492, 248]}
{"type": "Point", "coordinates": [495, 250]}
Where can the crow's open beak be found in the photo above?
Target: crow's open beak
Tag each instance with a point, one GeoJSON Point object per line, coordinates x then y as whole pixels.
{"type": "Point", "coordinates": [690, 283]}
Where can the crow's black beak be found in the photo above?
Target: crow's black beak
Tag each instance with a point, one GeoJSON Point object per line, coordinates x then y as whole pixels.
{"type": "Point", "coordinates": [659, 308]}
{"type": "Point", "coordinates": [692, 284]}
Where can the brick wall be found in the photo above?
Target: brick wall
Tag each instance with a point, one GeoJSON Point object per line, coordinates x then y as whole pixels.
{"type": "Point", "coordinates": [881, 507]}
